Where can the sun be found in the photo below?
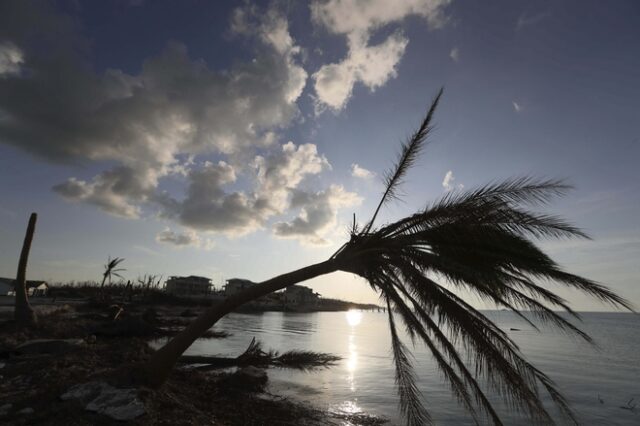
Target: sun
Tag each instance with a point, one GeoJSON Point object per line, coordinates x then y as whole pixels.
{"type": "Point", "coordinates": [354, 317]}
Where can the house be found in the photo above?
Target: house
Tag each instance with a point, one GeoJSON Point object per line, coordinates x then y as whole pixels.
{"type": "Point", "coordinates": [35, 288]}
{"type": "Point", "coordinates": [300, 295]}
{"type": "Point", "coordinates": [189, 286]}
{"type": "Point", "coordinates": [236, 285]}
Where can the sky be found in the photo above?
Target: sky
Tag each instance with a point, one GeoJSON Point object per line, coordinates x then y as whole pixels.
{"type": "Point", "coordinates": [238, 139]}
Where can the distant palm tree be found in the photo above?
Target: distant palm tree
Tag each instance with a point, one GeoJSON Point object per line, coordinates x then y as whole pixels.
{"type": "Point", "coordinates": [23, 312]}
{"type": "Point", "coordinates": [477, 241]}
{"type": "Point", "coordinates": [111, 270]}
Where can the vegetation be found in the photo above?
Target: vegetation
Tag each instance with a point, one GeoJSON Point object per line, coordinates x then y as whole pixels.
{"type": "Point", "coordinates": [479, 241]}
{"type": "Point", "coordinates": [255, 356]}
{"type": "Point", "coordinates": [23, 313]}
{"type": "Point", "coordinates": [111, 270]}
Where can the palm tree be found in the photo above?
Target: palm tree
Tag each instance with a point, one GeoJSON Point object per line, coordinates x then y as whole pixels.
{"type": "Point", "coordinates": [111, 270]}
{"type": "Point", "coordinates": [479, 241]}
{"type": "Point", "coordinates": [23, 312]}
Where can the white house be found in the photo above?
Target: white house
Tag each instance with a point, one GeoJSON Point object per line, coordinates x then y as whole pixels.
{"type": "Point", "coordinates": [236, 285]}
{"type": "Point", "coordinates": [189, 286]}
{"type": "Point", "coordinates": [35, 288]}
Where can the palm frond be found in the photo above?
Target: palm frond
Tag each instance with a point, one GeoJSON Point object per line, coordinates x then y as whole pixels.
{"type": "Point", "coordinates": [479, 241]}
{"type": "Point", "coordinates": [409, 153]}
{"type": "Point", "coordinates": [410, 397]}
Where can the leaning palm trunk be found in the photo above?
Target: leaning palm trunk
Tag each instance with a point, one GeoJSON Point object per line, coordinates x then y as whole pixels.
{"type": "Point", "coordinates": [480, 242]}
{"type": "Point", "coordinates": [157, 369]}
{"type": "Point", "coordinates": [23, 312]}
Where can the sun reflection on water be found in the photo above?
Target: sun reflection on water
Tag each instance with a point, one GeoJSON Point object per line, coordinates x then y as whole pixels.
{"type": "Point", "coordinates": [354, 317]}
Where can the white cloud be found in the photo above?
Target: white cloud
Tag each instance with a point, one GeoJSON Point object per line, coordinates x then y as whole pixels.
{"type": "Point", "coordinates": [372, 66]}
{"type": "Point", "coordinates": [351, 16]}
{"type": "Point", "coordinates": [318, 214]}
{"type": "Point", "coordinates": [11, 58]}
{"type": "Point", "coordinates": [188, 238]}
{"type": "Point", "coordinates": [448, 183]}
{"type": "Point", "coordinates": [118, 191]}
{"type": "Point", "coordinates": [516, 106]}
{"type": "Point", "coordinates": [455, 54]}
{"type": "Point", "coordinates": [154, 126]}
{"type": "Point", "coordinates": [209, 206]}
{"type": "Point", "coordinates": [283, 171]}
{"type": "Point", "coordinates": [361, 172]}
{"type": "Point", "coordinates": [151, 125]}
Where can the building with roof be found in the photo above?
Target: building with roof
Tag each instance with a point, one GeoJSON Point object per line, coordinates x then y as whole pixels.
{"type": "Point", "coordinates": [35, 288]}
{"type": "Point", "coordinates": [191, 286]}
{"type": "Point", "coordinates": [236, 285]}
{"type": "Point", "coordinates": [300, 295]}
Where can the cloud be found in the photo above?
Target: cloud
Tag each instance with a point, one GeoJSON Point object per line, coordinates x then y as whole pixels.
{"type": "Point", "coordinates": [455, 54]}
{"type": "Point", "coordinates": [525, 21]}
{"type": "Point", "coordinates": [448, 183]}
{"type": "Point", "coordinates": [283, 171]}
{"type": "Point", "coordinates": [370, 65]}
{"type": "Point", "coordinates": [318, 214]}
{"type": "Point", "coordinates": [154, 128]}
{"type": "Point", "coordinates": [516, 106]}
{"type": "Point", "coordinates": [188, 238]}
{"type": "Point", "coordinates": [361, 172]}
{"type": "Point", "coordinates": [208, 206]}
{"type": "Point", "coordinates": [355, 16]}
{"type": "Point", "coordinates": [118, 191]}
{"type": "Point", "coordinates": [11, 58]}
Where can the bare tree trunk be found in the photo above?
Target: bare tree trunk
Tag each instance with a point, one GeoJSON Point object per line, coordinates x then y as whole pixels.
{"type": "Point", "coordinates": [157, 369]}
{"type": "Point", "coordinates": [23, 313]}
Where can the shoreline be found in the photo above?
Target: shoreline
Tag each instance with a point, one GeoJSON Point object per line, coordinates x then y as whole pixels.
{"type": "Point", "coordinates": [33, 384]}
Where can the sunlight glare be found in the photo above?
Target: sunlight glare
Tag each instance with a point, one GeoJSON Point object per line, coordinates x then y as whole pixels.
{"type": "Point", "coordinates": [354, 317]}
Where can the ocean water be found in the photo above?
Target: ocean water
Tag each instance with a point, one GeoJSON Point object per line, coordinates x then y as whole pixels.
{"type": "Point", "coordinates": [598, 381]}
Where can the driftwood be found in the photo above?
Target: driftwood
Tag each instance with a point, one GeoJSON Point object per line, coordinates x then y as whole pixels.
{"type": "Point", "coordinates": [255, 356]}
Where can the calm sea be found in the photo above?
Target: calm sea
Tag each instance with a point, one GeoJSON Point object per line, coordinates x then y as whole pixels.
{"type": "Point", "coordinates": [598, 381]}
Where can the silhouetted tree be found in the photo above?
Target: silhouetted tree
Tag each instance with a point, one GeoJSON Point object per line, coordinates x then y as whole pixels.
{"type": "Point", "coordinates": [479, 241]}
{"type": "Point", "coordinates": [23, 312]}
{"type": "Point", "coordinates": [110, 270]}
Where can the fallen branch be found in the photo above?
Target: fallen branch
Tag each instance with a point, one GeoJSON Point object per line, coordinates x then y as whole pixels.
{"type": "Point", "coordinates": [255, 356]}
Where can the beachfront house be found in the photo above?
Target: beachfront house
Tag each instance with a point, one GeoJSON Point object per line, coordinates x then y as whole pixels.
{"type": "Point", "coordinates": [300, 295]}
{"type": "Point", "coordinates": [35, 288]}
{"type": "Point", "coordinates": [236, 285]}
{"type": "Point", "coordinates": [191, 286]}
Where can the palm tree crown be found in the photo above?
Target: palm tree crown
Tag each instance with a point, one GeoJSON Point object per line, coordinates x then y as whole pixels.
{"type": "Point", "coordinates": [111, 270]}
{"type": "Point", "coordinates": [479, 241]}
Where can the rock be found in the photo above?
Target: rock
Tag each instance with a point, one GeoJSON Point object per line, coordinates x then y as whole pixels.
{"type": "Point", "coordinates": [119, 404]}
{"type": "Point", "coordinates": [26, 411]}
{"type": "Point", "coordinates": [4, 409]}
{"type": "Point", "coordinates": [48, 346]}
{"type": "Point", "coordinates": [102, 398]}
{"type": "Point", "coordinates": [249, 379]}
{"type": "Point", "coordinates": [84, 392]}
